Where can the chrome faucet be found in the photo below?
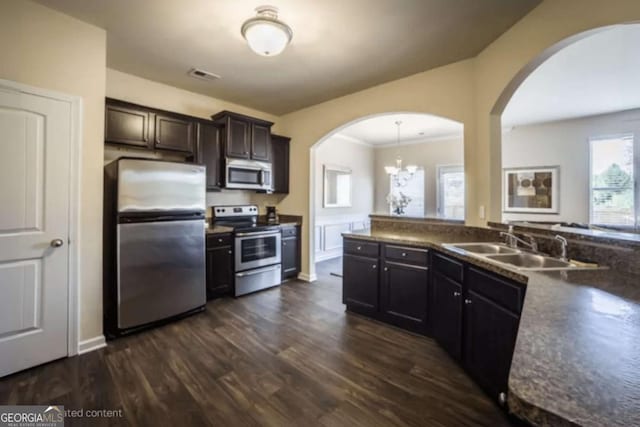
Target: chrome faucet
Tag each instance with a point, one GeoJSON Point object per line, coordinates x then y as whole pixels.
{"type": "Point", "coordinates": [563, 246]}
{"type": "Point", "coordinates": [512, 240]}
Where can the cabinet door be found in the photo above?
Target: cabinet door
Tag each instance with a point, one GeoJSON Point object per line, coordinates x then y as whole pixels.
{"type": "Point", "coordinates": [174, 133]}
{"type": "Point", "coordinates": [219, 271]}
{"type": "Point", "coordinates": [210, 153]}
{"type": "Point", "coordinates": [490, 336]}
{"type": "Point", "coordinates": [360, 284]}
{"type": "Point", "coordinates": [280, 164]}
{"type": "Point", "coordinates": [446, 313]}
{"type": "Point", "coordinates": [260, 142]}
{"type": "Point", "coordinates": [290, 257]}
{"type": "Point", "coordinates": [127, 126]}
{"type": "Point", "coordinates": [237, 138]}
{"type": "Point", "coordinates": [404, 295]}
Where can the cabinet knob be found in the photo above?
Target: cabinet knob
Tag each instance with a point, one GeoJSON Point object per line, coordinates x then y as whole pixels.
{"type": "Point", "coordinates": [456, 294]}
{"type": "Point", "coordinates": [359, 248]}
{"type": "Point", "coordinates": [230, 252]}
{"type": "Point", "coordinates": [467, 301]}
{"type": "Point", "coordinates": [502, 398]}
{"type": "Point", "coordinates": [284, 243]}
{"type": "Point", "coordinates": [219, 184]}
{"type": "Point", "coordinates": [246, 152]}
{"type": "Point", "coordinates": [219, 240]}
{"type": "Point", "coordinates": [386, 269]}
{"type": "Point", "coordinates": [374, 266]}
{"type": "Point", "coordinates": [404, 254]}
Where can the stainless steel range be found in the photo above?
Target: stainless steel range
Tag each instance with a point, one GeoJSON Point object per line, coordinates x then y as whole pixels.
{"type": "Point", "coordinates": [257, 248]}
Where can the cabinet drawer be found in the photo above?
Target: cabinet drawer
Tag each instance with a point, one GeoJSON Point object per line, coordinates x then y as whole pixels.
{"type": "Point", "coordinates": [358, 247]}
{"type": "Point", "coordinates": [451, 268]}
{"type": "Point", "coordinates": [218, 240]}
{"type": "Point", "coordinates": [507, 294]}
{"type": "Point", "coordinates": [289, 231]}
{"type": "Point", "coordinates": [407, 255]}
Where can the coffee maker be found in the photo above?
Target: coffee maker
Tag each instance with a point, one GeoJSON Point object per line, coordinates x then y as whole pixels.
{"type": "Point", "coordinates": [272, 215]}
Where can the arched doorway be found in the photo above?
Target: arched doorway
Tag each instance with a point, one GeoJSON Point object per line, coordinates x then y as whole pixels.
{"type": "Point", "coordinates": [365, 148]}
{"type": "Point", "coordinates": [569, 115]}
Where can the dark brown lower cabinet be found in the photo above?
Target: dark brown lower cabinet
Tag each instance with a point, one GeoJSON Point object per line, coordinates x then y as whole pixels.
{"type": "Point", "coordinates": [446, 314]}
{"type": "Point", "coordinates": [219, 267]}
{"type": "Point", "coordinates": [490, 335]}
{"type": "Point", "coordinates": [404, 295]}
{"type": "Point", "coordinates": [290, 252]}
{"type": "Point", "coordinates": [360, 284]}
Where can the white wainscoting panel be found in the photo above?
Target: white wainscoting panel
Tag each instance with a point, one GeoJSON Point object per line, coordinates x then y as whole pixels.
{"type": "Point", "coordinates": [328, 233]}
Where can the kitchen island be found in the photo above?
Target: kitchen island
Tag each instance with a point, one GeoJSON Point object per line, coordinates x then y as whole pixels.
{"type": "Point", "coordinates": [576, 359]}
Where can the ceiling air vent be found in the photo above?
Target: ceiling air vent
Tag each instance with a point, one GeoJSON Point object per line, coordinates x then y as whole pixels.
{"type": "Point", "coordinates": [203, 75]}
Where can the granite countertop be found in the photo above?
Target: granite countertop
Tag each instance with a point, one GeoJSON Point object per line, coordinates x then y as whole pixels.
{"type": "Point", "coordinates": [577, 354]}
{"type": "Point", "coordinates": [218, 229]}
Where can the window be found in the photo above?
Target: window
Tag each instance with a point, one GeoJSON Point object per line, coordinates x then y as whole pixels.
{"type": "Point", "coordinates": [411, 187]}
{"type": "Point", "coordinates": [614, 199]}
{"type": "Point", "coordinates": [451, 192]}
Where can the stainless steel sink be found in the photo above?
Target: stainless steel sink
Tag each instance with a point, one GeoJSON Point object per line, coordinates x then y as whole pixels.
{"type": "Point", "coordinates": [501, 254]}
{"type": "Point", "coordinates": [485, 248]}
{"type": "Point", "coordinates": [528, 261]}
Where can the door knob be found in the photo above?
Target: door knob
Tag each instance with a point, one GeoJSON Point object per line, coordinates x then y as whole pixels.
{"type": "Point", "coordinates": [56, 243]}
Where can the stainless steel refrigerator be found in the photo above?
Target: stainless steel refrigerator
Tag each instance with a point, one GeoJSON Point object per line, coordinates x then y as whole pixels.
{"type": "Point", "coordinates": [154, 243]}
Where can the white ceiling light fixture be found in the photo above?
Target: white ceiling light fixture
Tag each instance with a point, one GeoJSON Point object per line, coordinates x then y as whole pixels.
{"type": "Point", "coordinates": [265, 33]}
{"type": "Point", "coordinates": [395, 171]}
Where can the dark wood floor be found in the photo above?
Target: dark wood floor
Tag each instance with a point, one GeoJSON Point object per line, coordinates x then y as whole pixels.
{"type": "Point", "coordinates": [289, 356]}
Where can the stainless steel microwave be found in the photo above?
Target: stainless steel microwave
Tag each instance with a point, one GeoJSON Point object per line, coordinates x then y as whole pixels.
{"type": "Point", "coordinates": [248, 175]}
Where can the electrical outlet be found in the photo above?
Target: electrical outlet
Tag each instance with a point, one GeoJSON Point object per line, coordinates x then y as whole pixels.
{"type": "Point", "coordinates": [481, 212]}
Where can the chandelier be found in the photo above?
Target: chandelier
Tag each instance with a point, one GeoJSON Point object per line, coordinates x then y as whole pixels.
{"type": "Point", "coordinates": [400, 176]}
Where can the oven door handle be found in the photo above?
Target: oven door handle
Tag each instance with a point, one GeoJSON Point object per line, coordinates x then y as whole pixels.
{"type": "Point", "coordinates": [258, 271]}
{"type": "Point", "coordinates": [265, 233]}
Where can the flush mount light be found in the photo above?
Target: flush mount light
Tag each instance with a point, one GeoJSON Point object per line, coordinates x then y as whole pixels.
{"type": "Point", "coordinates": [265, 33]}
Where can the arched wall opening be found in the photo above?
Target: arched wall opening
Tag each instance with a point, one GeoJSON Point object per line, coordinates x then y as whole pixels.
{"type": "Point", "coordinates": [420, 136]}
{"type": "Point", "coordinates": [563, 211]}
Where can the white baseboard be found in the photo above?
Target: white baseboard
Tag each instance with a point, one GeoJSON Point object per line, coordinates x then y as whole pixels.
{"type": "Point", "coordinates": [91, 344]}
{"type": "Point", "coordinates": [323, 256]}
{"type": "Point", "coordinates": [307, 277]}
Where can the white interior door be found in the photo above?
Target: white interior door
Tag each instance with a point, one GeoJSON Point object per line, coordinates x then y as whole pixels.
{"type": "Point", "coordinates": [35, 139]}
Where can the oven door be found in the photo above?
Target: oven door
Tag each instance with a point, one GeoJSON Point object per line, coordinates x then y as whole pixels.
{"type": "Point", "coordinates": [257, 249]}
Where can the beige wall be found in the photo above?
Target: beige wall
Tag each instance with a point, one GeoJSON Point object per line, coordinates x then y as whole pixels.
{"type": "Point", "coordinates": [446, 92]}
{"type": "Point", "coordinates": [128, 87]}
{"type": "Point", "coordinates": [566, 144]}
{"type": "Point", "coordinates": [467, 91]}
{"type": "Point", "coordinates": [503, 65]}
{"type": "Point", "coordinates": [46, 49]}
{"type": "Point", "coordinates": [358, 157]}
{"type": "Point", "coordinates": [428, 155]}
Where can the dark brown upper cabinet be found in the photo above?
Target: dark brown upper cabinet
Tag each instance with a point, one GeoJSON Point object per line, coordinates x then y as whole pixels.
{"type": "Point", "coordinates": [244, 137]}
{"type": "Point", "coordinates": [209, 153]}
{"type": "Point", "coordinates": [148, 128]}
{"type": "Point", "coordinates": [280, 163]}
{"type": "Point", "coordinates": [174, 133]}
{"type": "Point", "coordinates": [260, 142]}
{"type": "Point", "coordinates": [126, 125]}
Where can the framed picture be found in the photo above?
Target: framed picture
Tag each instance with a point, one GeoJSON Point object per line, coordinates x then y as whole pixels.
{"type": "Point", "coordinates": [531, 190]}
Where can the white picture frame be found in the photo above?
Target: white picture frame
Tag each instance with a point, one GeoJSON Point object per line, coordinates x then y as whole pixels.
{"type": "Point", "coordinates": [531, 190]}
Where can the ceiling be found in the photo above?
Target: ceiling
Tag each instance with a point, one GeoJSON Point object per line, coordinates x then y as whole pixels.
{"type": "Point", "coordinates": [382, 130]}
{"type": "Point", "coordinates": [596, 75]}
{"type": "Point", "coordinates": [338, 46]}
